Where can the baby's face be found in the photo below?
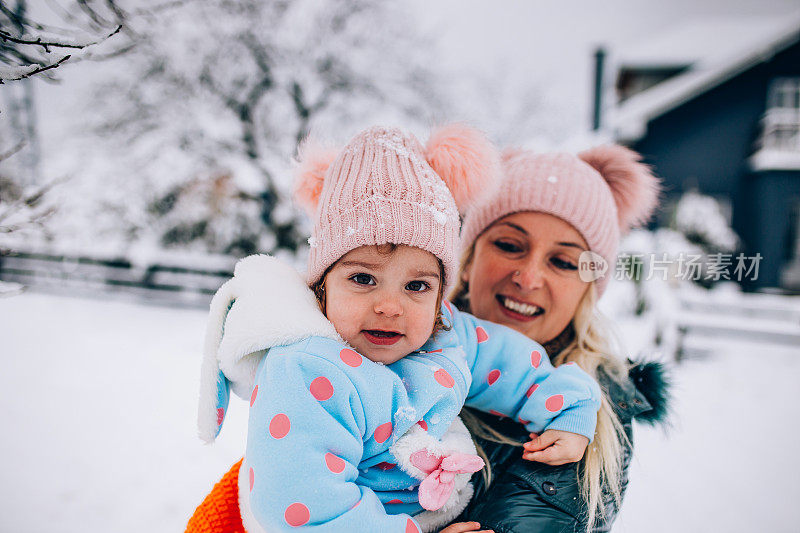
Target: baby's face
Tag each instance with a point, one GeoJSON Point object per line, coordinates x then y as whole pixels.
{"type": "Point", "coordinates": [383, 304]}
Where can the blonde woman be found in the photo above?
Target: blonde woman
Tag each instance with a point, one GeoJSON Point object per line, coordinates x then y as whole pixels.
{"type": "Point", "coordinates": [522, 247]}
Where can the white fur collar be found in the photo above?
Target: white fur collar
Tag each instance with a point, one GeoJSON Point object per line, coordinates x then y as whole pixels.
{"type": "Point", "coordinates": [265, 304]}
{"type": "Point", "coordinates": [456, 439]}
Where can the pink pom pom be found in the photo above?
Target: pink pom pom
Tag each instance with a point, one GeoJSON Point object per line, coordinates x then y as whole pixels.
{"type": "Point", "coordinates": [313, 160]}
{"type": "Point", "coordinates": [465, 159]}
{"type": "Point", "coordinates": [633, 185]}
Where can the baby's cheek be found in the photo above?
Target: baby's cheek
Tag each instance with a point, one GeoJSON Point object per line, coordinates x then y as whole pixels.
{"type": "Point", "coordinates": [423, 322]}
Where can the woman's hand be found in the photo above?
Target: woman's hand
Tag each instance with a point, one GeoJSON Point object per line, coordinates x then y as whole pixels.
{"type": "Point", "coordinates": [554, 447]}
{"type": "Point", "coordinates": [461, 527]}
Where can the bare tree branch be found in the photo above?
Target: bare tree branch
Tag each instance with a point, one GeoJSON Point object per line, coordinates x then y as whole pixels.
{"type": "Point", "coordinates": [12, 151]}
{"type": "Point", "coordinates": [46, 45]}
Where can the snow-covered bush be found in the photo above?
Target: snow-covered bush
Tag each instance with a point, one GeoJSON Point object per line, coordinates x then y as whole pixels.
{"type": "Point", "coordinates": [701, 220]}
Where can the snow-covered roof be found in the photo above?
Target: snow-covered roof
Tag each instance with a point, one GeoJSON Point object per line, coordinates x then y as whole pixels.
{"type": "Point", "coordinates": [716, 50]}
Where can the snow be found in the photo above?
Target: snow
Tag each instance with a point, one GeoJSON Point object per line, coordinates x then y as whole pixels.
{"type": "Point", "coordinates": [770, 159]}
{"type": "Point", "coordinates": [729, 462]}
{"type": "Point", "coordinates": [100, 403]}
{"type": "Point", "coordinates": [704, 39]}
{"type": "Point", "coordinates": [714, 65]}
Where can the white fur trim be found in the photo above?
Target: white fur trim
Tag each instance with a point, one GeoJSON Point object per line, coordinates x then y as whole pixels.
{"type": "Point", "coordinates": [433, 520]}
{"type": "Point", "coordinates": [265, 304]}
{"type": "Point", "coordinates": [455, 440]}
{"type": "Point", "coordinates": [249, 521]}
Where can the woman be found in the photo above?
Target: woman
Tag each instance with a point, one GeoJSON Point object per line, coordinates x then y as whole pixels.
{"type": "Point", "coordinates": [522, 247]}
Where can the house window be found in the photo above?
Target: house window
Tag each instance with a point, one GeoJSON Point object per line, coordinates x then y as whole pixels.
{"type": "Point", "coordinates": [781, 123]}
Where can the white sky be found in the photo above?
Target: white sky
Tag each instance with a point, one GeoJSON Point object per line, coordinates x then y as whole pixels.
{"type": "Point", "coordinates": [541, 45]}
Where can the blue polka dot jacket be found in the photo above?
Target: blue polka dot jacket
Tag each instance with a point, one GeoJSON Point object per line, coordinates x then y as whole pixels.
{"type": "Point", "coordinates": [334, 438]}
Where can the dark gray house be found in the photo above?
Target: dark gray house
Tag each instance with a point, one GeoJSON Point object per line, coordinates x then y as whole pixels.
{"type": "Point", "coordinates": [715, 105]}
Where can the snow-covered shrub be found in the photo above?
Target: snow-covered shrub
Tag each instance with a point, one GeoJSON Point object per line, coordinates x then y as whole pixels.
{"type": "Point", "coordinates": [708, 237]}
{"type": "Point", "coordinates": [701, 220]}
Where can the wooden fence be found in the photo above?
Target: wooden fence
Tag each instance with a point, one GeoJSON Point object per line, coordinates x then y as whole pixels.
{"type": "Point", "coordinates": [166, 283]}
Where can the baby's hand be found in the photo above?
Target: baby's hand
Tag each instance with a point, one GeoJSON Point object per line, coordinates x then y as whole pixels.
{"type": "Point", "coordinates": [554, 447]}
{"type": "Point", "coordinates": [461, 527]}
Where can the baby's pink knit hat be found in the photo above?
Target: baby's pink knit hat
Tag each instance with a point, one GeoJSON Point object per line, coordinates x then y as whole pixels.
{"type": "Point", "coordinates": [602, 192]}
{"type": "Point", "coordinates": [384, 187]}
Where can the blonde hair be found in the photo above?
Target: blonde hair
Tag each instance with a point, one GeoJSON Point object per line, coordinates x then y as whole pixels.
{"type": "Point", "coordinates": [590, 348]}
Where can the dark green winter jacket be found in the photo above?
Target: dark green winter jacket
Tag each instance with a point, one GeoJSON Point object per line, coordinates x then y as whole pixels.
{"type": "Point", "coordinates": [525, 496]}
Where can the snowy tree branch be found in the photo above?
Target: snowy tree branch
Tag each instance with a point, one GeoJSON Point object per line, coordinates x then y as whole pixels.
{"type": "Point", "coordinates": [46, 45]}
{"type": "Point", "coordinates": [20, 73]}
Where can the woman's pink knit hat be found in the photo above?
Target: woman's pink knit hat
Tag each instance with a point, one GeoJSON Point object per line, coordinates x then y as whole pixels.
{"type": "Point", "coordinates": [602, 192]}
{"type": "Point", "coordinates": [384, 187]}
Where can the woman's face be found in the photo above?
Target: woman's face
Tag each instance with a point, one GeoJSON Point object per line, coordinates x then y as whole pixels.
{"type": "Point", "coordinates": [524, 274]}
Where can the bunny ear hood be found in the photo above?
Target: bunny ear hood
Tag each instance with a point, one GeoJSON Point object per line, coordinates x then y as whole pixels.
{"type": "Point", "coordinates": [465, 159]}
{"type": "Point", "coordinates": [265, 304]}
{"type": "Point", "coordinates": [634, 187]}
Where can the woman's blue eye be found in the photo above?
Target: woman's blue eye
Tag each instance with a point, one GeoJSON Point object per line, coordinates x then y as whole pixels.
{"type": "Point", "coordinates": [506, 246]}
{"type": "Point", "coordinates": [417, 286]}
{"type": "Point", "coordinates": [564, 265]}
{"type": "Point", "coordinates": [363, 279]}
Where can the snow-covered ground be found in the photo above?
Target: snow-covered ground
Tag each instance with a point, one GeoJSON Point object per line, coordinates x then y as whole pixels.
{"type": "Point", "coordinates": [99, 401]}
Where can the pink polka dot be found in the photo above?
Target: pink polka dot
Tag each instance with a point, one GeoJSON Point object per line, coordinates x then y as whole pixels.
{"type": "Point", "coordinates": [448, 306]}
{"type": "Point", "coordinates": [335, 464]}
{"type": "Point", "coordinates": [321, 389]}
{"type": "Point", "coordinates": [493, 376]}
{"type": "Point", "coordinates": [383, 432]}
{"type": "Point", "coordinates": [482, 335]}
{"type": "Point", "coordinates": [523, 421]}
{"type": "Point", "coordinates": [220, 416]}
{"type": "Point", "coordinates": [350, 357]}
{"type": "Point", "coordinates": [554, 403]}
{"type": "Point", "coordinates": [252, 479]}
{"type": "Point", "coordinates": [411, 527]}
{"type": "Point", "coordinates": [253, 396]}
{"type": "Point", "coordinates": [395, 501]}
{"type": "Point", "coordinates": [532, 389]}
{"type": "Point", "coordinates": [443, 378]}
{"type": "Point", "coordinates": [497, 413]}
{"type": "Point", "coordinates": [536, 358]}
{"type": "Point", "coordinates": [423, 425]}
{"type": "Point", "coordinates": [386, 466]}
{"type": "Point", "coordinates": [279, 426]}
{"type": "Point", "coordinates": [296, 515]}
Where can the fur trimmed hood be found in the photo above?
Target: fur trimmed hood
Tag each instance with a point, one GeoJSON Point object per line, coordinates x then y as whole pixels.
{"type": "Point", "coordinates": [265, 304]}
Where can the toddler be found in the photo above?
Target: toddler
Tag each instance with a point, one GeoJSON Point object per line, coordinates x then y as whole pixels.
{"type": "Point", "coordinates": [353, 421]}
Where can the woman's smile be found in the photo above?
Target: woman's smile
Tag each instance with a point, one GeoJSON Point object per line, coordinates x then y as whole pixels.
{"type": "Point", "coordinates": [518, 310]}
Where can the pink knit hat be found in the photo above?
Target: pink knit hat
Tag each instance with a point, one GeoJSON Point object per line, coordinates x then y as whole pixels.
{"type": "Point", "coordinates": [384, 187]}
{"type": "Point", "coordinates": [602, 192]}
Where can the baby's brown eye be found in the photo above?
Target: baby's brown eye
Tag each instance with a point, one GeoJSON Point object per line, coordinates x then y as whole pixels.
{"type": "Point", "coordinates": [417, 286]}
{"type": "Point", "coordinates": [363, 279]}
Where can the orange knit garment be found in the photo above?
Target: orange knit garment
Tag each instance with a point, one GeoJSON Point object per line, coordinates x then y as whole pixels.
{"type": "Point", "coordinates": [219, 512]}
